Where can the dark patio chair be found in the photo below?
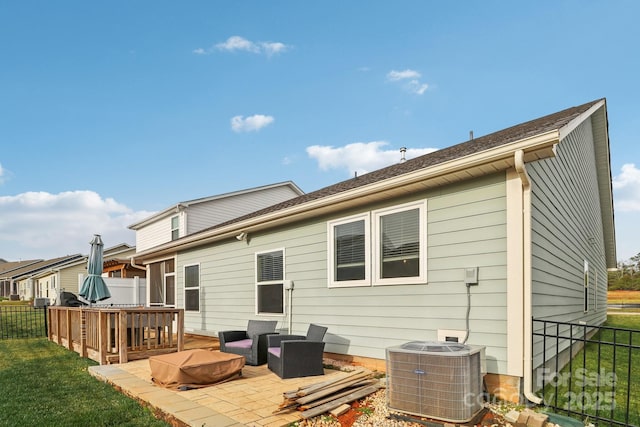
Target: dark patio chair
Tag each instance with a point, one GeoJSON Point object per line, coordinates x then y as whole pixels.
{"type": "Point", "coordinates": [293, 356]}
{"type": "Point", "coordinates": [252, 343]}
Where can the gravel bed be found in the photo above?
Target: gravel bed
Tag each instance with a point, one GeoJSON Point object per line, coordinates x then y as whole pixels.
{"type": "Point", "coordinates": [372, 411]}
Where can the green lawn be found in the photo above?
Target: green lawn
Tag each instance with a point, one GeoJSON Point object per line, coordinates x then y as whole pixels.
{"type": "Point", "coordinates": [21, 321]}
{"type": "Point", "coordinates": [609, 391]}
{"type": "Point", "coordinates": [43, 384]}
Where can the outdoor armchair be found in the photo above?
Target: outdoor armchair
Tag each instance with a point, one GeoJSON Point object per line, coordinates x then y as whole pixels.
{"type": "Point", "coordinates": [293, 356]}
{"type": "Point", "coordinates": [252, 343]}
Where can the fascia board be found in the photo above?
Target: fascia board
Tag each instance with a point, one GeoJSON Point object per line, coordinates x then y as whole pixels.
{"type": "Point", "coordinates": [569, 127]}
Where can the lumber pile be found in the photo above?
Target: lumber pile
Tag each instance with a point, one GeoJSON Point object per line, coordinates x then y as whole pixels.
{"type": "Point", "coordinates": [327, 396]}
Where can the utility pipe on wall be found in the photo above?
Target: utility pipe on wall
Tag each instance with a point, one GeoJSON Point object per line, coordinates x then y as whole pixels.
{"type": "Point", "coordinates": [526, 276]}
{"type": "Point", "coordinates": [288, 285]}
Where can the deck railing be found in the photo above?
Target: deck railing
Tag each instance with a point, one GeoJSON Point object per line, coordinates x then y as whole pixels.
{"type": "Point", "coordinates": [117, 335]}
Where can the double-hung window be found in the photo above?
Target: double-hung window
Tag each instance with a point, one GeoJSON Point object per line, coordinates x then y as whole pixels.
{"type": "Point", "coordinates": [349, 251]}
{"type": "Point", "coordinates": [192, 287]}
{"type": "Point", "coordinates": [175, 228]}
{"type": "Point", "coordinates": [384, 247]}
{"type": "Point", "coordinates": [270, 282]}
{"type": "Point", "coordinates": [400, 244]}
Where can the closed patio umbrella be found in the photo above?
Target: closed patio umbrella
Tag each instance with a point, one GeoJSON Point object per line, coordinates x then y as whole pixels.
{"type": "Point", "coordinates": [93, 287]}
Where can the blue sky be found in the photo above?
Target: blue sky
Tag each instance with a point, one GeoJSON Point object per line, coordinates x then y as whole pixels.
{"type": "Point", "coordinates": [110, 111]}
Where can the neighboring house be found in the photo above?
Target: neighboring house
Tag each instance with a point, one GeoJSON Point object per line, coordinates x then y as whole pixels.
{"type": "Point", "coordinates": [189, 217]}
{"type": "Point", "coordinates": [7, 286]}
{"type": "Point", "coordinates": [185, 218]}
{"type": "Point", "coordinates": [28, 288]}
{"type": "Point", "coordinates": [382, 258]}
{"type": "Point", "coordinates": [68, 276]}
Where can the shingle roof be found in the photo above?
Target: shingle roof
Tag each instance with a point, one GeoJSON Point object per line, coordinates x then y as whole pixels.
{"type": "Point", "coordinates": [38, 266]}
{"type": "Point", "coordinates": [515, 133]}
{"type": "Point", "coordinates": [14, 265]}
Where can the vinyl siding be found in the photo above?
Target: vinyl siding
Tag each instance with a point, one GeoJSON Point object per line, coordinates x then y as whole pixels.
{"type": "Point", "coordinates": [155, 234]}
{"type": "Point", "coordinates": [567, 229]}
{"type": "Point", "coordinates": [466, 227]}
{"type": "Point", "coordinates": [204, 215]}
{"type": "Point", "coordinates": [199, 216]}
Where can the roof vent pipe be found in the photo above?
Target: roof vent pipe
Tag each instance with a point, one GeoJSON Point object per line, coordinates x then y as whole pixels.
{"type": "Point", "coordinates": [470, 135]}
{"type": "Point", "coordinates": [403, 151]}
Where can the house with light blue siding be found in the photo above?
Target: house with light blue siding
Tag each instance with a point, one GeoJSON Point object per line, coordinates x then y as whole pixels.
{"type": "Point", "coordinates": [469, 242]}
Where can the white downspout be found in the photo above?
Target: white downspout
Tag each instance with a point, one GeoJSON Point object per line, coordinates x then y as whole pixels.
{"type": "Point", "coordinates": [134, 265]}
{"type": "Point", "coordinates": [526, 276]}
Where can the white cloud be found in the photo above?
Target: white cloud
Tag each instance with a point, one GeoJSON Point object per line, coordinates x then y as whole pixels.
{"type": "Point", "coordinates": [43, 225]}
{"type": "Point", "coordinates": [394, 75]}
{"type": "Point", "coordinates": [234, 43]}
{"type": "Point", "coordinates": [2, 174]}
{"type": "Point", "coordinates": [360, 157]}
{"type": "Point", "coordinates": [238, 43]}
{"type": "Point", "coordinates": [271, 48]}
{"type": "Point", "coordinates": [626, 198]}
{"type": "Point", "coordinates": [416, 87]}
{"type": "Point", "coordinates": [251, 123]}
{"type": "Point", "coordinates": [410, 80]}
{"type": "Point", "coordinates": [626, 187]}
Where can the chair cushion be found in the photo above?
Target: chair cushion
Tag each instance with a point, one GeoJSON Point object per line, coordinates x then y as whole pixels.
{"type": "Point", "coordinates": [240, 343]}
{"type": "Point", "coordinates": [275, 351]}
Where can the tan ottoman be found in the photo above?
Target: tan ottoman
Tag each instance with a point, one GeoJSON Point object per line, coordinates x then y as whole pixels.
{"type": "Point", "coordinates": [194, 368]}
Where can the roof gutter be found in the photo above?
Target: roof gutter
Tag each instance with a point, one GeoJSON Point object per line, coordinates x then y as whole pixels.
{"type": "Point", "coordinates": [526, 276]}
{"type": "Point", "coordinates": [134, 265]}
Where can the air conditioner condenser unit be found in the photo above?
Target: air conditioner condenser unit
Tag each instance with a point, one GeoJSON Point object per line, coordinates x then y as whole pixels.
{"type": "Point", "coordinates": [441, 380]}
{"type": "Point", "coordinates": [40, 302]}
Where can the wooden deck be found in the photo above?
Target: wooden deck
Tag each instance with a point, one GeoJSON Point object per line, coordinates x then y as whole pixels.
{"type": "Point", "coordinates": [118, 335]}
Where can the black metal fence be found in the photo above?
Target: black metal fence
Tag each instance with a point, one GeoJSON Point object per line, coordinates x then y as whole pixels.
{"type": "Point", "coordinates": [22, 321]}
{"type": "Point", "coordinates": [589, 371]}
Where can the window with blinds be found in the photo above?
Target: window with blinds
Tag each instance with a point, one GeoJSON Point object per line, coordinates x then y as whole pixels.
{"type": "Point", "coordinates": [269, 282]}
{"type": "Point", "coordinates": [349, 251]}
{"type": "Point", "coordinates": [400, 246]}
{"type": "Point", "coordinates": [394, 237]}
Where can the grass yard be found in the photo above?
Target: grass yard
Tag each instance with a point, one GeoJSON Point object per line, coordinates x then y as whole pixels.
{"type": "Point", "coordinates": [21, 321]}
{"type": "Point", "coordinates": [44, 384]}
{"type": "Point", "coordinates": [603, 383]}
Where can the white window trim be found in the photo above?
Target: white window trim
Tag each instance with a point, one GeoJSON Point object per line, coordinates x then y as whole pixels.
{"type": "Point", "coordinates": [596, 288]}
{"type": "Point", "coordinates": [185, 288]}
{"type": "Point", "coordinates": [271, 282]}
{"type": "Point", "coordinates": [586, 286]}
{"type": "Point", "coordinates": [177, 228]}
{"type": "Point", "coordinates": [164, 283]}
{"type": "Point", "coordinates": [422, 227]}
{"type": "Point", "coordinates": [331, 251]}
